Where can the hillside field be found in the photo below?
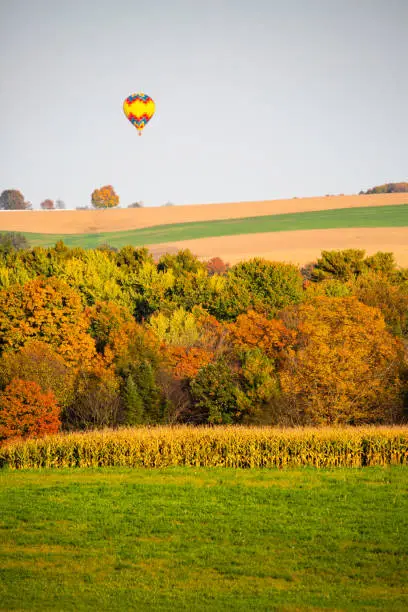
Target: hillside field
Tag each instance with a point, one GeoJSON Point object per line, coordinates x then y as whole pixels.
{"type": "Point", "coordinates": [297, 237]}
{"type": "Point", "coordinates": [123, 219]}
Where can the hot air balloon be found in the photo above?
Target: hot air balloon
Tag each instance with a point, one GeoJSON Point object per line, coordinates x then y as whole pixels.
{"type": "Point", "coordinates": [139, 109]}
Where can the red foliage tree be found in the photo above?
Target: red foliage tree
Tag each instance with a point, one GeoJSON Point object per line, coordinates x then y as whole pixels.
{"type": "Point", "coordinates": [216, 266]}
{"type": "Point", "coordinates": [47, 205]}
{"type": "Point", "coordinates": [26, 411]}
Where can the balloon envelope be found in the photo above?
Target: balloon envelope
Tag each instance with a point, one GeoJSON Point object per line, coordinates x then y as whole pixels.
{"type": "Point", "coordinates": [139, 109]}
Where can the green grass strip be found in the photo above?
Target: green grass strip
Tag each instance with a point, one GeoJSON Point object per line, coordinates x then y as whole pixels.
{"type": "Point", "coordinates": [371, 216]}
{"type": "Point", "coordinates": [208, 540]}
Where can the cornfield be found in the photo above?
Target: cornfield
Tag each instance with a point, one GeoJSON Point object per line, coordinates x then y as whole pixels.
{"type": "Point", "coordinates": [240, 447]}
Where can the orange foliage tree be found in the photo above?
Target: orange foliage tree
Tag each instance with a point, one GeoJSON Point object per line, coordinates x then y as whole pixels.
{"type": "Point", "coordinates": [105, 197]}
{"type": "Point", "coordinates": [186, 362]}
{"type": "Point", "coordinates": [26, 411]}
{"type": "Point", "coordinates": [254, 330]}
{"type": "Point", "coordinates": [115, 330]}
{"type": "Point", "coordinates": [47, 310]}
{"type": "Point", "coordinates": [344, 366]}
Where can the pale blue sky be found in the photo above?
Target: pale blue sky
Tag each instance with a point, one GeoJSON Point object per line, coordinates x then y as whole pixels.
{"type": "Point", "coordinates": [258, 99]}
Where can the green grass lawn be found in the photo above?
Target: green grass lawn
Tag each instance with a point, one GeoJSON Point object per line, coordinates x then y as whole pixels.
{"type": "Point", "coordinates": [373, 216]}
{"type": "Point", "coordinates": [204, 539]}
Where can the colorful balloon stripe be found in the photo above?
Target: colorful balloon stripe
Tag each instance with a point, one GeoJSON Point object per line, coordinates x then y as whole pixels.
{"type": "Point", "coordinates": [139, 109]}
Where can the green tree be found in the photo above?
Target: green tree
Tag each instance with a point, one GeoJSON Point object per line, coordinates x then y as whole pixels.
{"type": "Point", "coordinates": [214, 394]}
{"type": "Point", "coordinates": [271, 285]}
{"type": "Point", "coordinates": [377, 290]}
{"type": "Point", "coordinates": [342, 265]}
{"type": "Point", "coordinates": [181, 263]}
{"type": "Point", "coordinates": [349, 264]}
{"type": "Point", "coordinates": [232, 298]}
{"type": "Point", "coordinates": [12, 241]}
{"type": "Point", "coordinates": [258, 387]}
{"type": "Point", "coordinates": [133, 404]}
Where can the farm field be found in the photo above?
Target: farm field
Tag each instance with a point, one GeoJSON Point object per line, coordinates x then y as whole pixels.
{"type": "Point", "coordinates": [364, 217]}
{"type": "Point", "coordinates": [242, 238]}
{"type": "Point", "coordinates": [297, 247]}
{"type": "Point", "coordinates": [220, 446]}
{"type": "Point", "coordinates": [123, 219]}
{"type": "Point", "coordinates": [204, 539]}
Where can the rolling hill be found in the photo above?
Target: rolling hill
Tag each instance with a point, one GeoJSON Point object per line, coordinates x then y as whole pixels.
{"type": "Point", "coordinates": [289, 230]}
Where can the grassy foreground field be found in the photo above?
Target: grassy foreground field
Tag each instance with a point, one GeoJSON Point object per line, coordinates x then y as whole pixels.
{"type": "Point", "coordinates": [204, 539]}
{"type": "Point", "coordinates": [373, 216]}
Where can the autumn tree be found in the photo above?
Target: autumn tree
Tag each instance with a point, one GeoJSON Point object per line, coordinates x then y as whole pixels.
{"type": "Point", "coordinates": [143, 363]}
{"type": "Point", "coordinates": [27, 411]}
{"type": "Point", "coordinates": [96, 402]}
{"type": "Point", "coordinates": [401, 187]}
{"type": "Point", "coordinates": [39, 261]}
{"type": "Point", "coordinates": [96, 276]}
{"type": "Point", "coordinates": [185, 362]}
{"type": "Point", "coordinates": [344, 366]}
{"type": "Point", "coordinates": [105, 197]}
{"type": "Point", "coordinates": [178, 328]}
{"type": "Point", "coordinates": [38, 362]}
{"type": "Point", "coordinates": [254, 330]}
{"type": "Point", "coordinates": [152, 289]}
{"type": "Point", "coordinates": [216, 266]}
{"type": "Point", "coordinates": [47, 205]}
{"type": "Point", "coordinates": [12, 199]}
{"type": "Point", "coordinates": [47, 310]}
{"type": "Point", "coordinates": [378, 290]}
{"type": "Point", "coordinates": [113, 329]}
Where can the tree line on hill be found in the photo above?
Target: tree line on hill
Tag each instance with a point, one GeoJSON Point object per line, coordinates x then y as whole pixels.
{"type": "Point", "coordinates": [387, 188]}
{"type": "Point", "coordinates": [106, 337]}
{"type": "Point", "coordinates": [106, 197]}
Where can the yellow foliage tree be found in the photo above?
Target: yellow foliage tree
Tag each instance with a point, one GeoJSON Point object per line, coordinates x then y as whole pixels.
{"type": "Point", "coordinates": [344, 366]}
{"type": "Point", "coordinates": [50, 311]}
{"type": "Point", "coordinates": [105, 197]}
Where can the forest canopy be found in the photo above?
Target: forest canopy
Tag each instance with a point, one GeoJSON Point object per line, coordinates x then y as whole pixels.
{"type": "Point", "coordinates": [94, 338]}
